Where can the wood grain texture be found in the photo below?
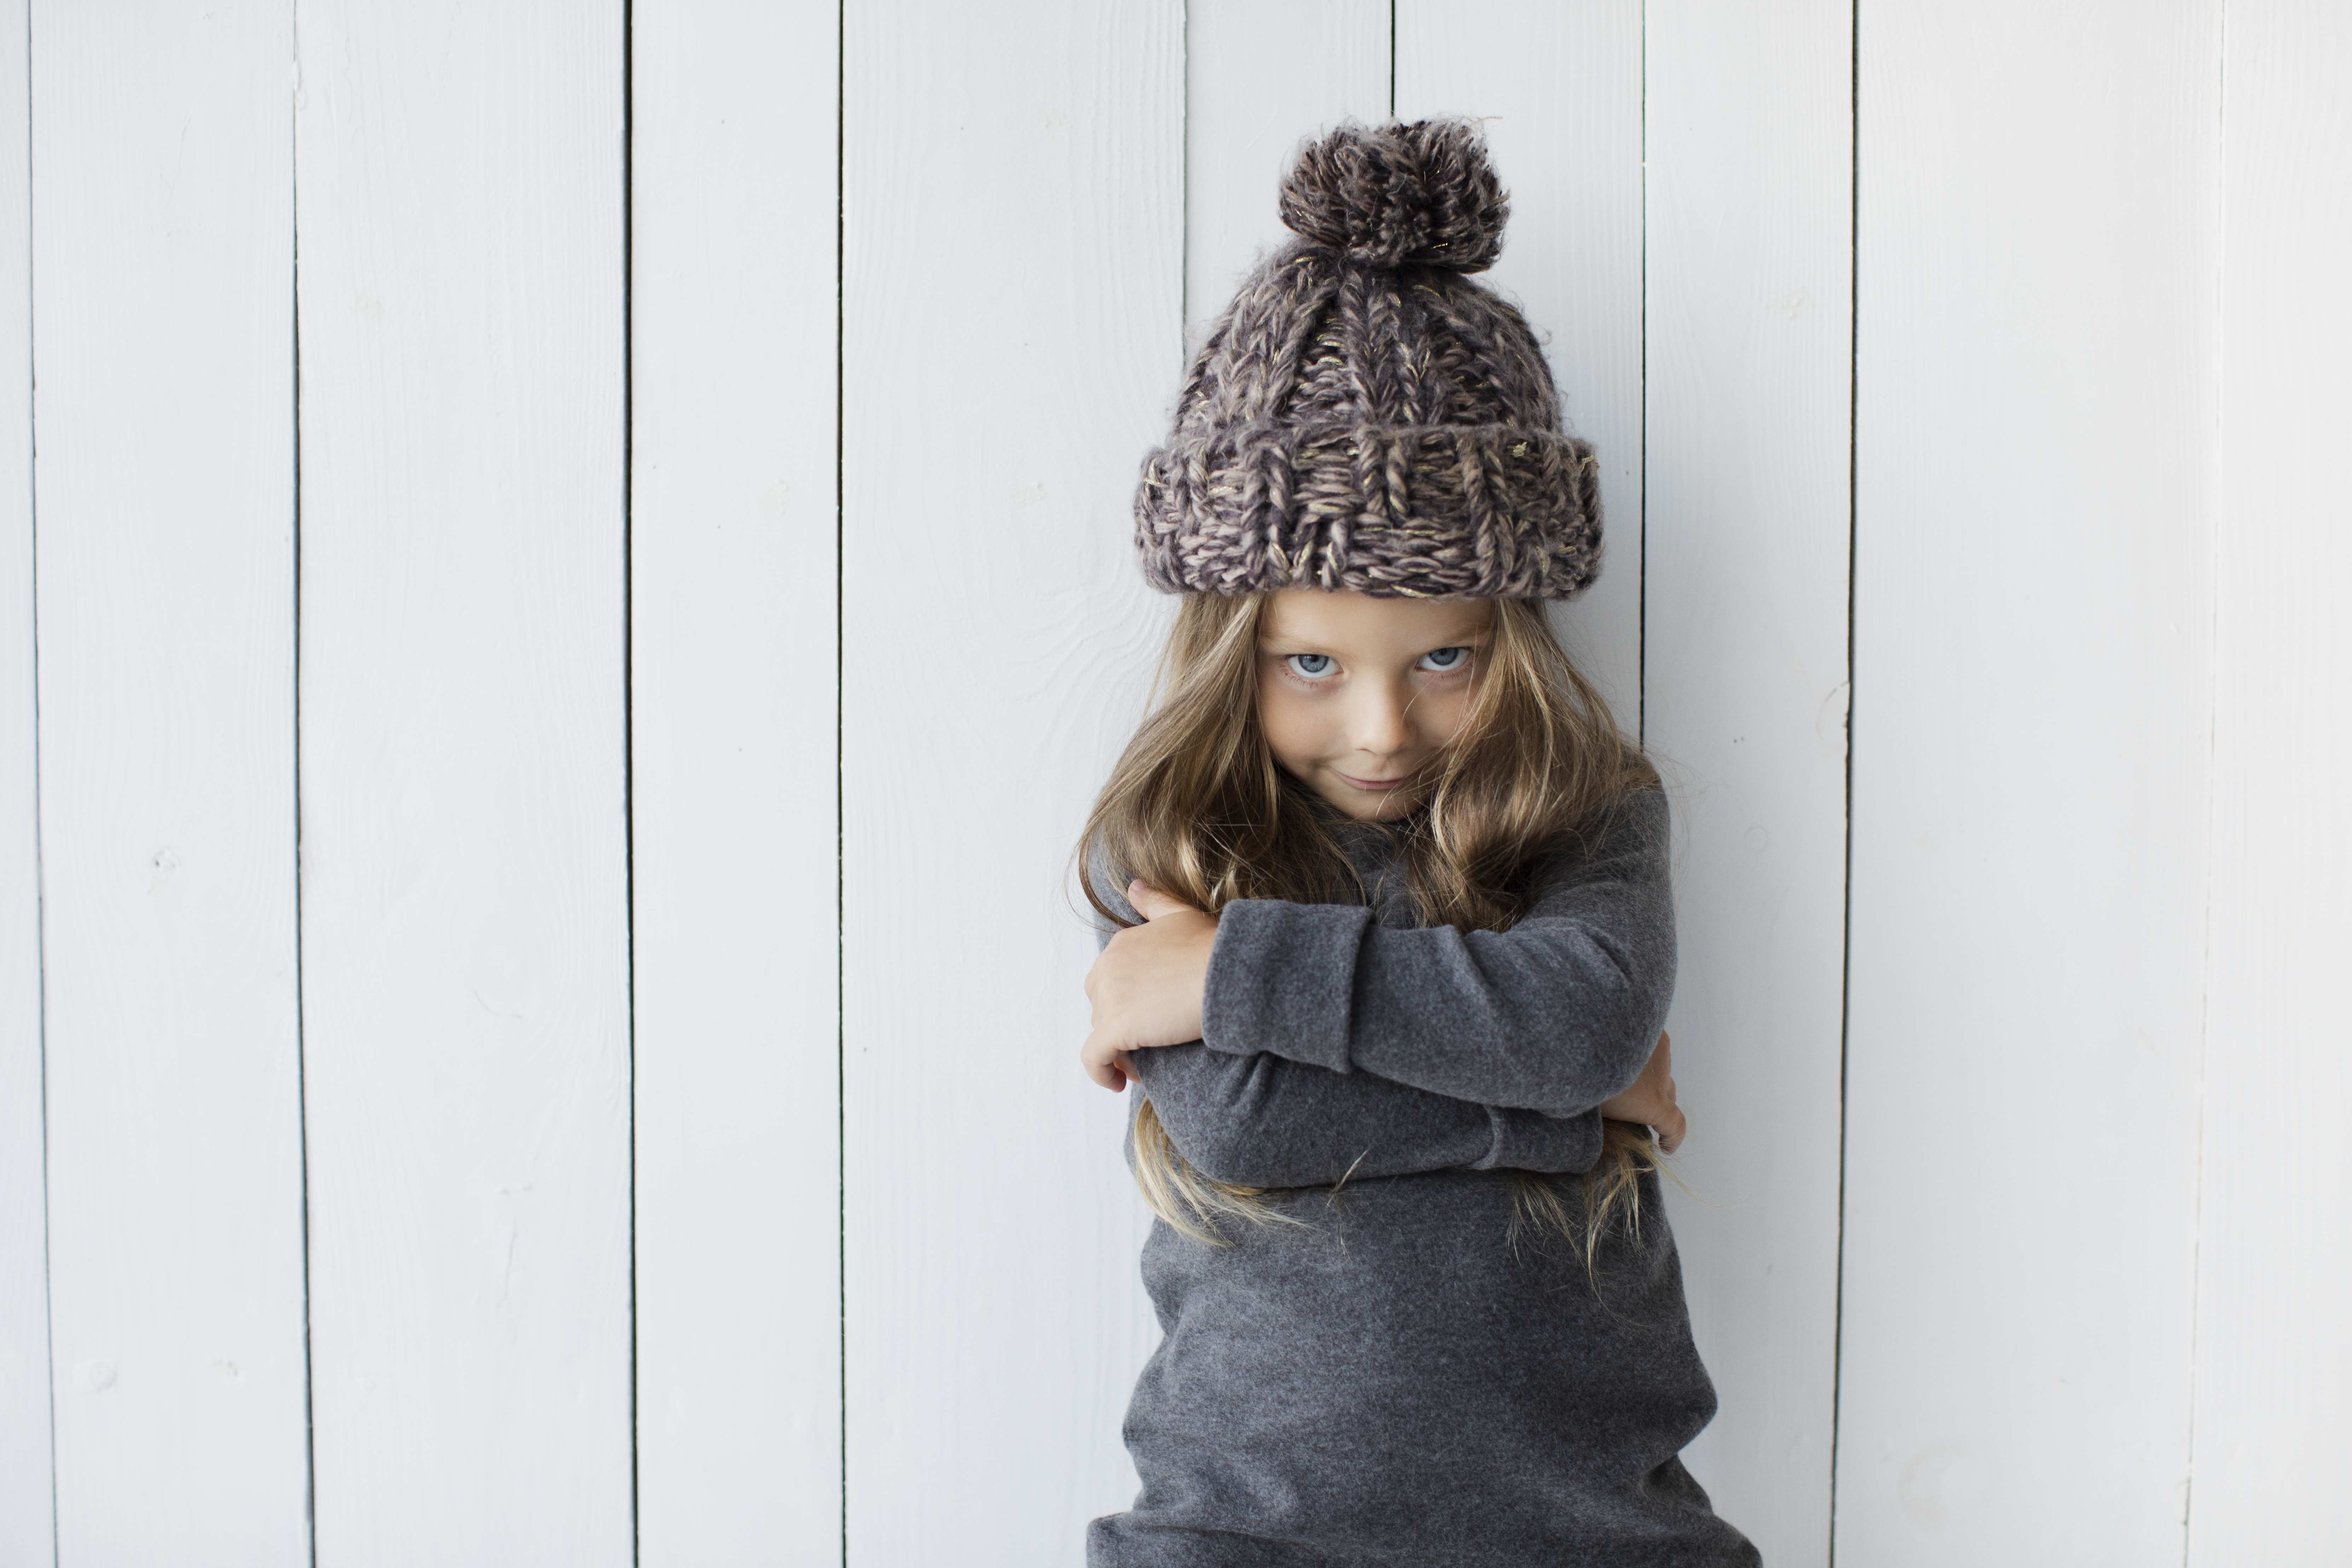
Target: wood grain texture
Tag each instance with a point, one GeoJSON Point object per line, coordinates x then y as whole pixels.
{"type": "Point", "coordinates": [2034, 487]}
{"type": "Point", "coordinates": [1013, 299]}
{"type": "Point", "coordinates": [1258, 80]}
{"type": "Point", "coordinates": [1744, 684]}
{"type": "Point", "coordinates": [163, 238]}
{"type": "Point", "coordinates": [733, 679]}
{"type": "Point", "coordinates": [1562, 112]}
{"type": "Point", "coordinates": [27, 1520]}
{"type": "Point", "coordinates": [2273, 1371]}
{"type": "Point", "coordinates": [465, 918]}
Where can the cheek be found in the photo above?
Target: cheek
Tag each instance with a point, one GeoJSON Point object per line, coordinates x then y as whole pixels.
{"type": "Point", "coordinates": [1439, 714]}
{"type": "Point", "coordinates": [1289, 723]}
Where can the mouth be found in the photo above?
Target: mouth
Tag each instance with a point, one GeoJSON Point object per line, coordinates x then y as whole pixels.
{"type": "Point", "coordinates": [1376, 787]}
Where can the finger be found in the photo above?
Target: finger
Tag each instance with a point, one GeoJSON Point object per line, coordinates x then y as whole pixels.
{"type": "Point", "coordinates": [1096, 1059]}
{"type": "Point", "coordinates": [1150, 902]}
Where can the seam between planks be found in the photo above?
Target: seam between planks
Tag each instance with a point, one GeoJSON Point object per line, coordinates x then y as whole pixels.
{"type": "Point", "coordinates": [840, 760]}
{"type": "Point", "coordinates": [2213, 727]}
{"type": "Point", "coordinates": [1852, 536]}
{"type": "Point", "coordinates": [301, 1038]}
{"type": "Point", "coordinates": [629, 711]}
{"type": "Point", "coordinates": [1642, 412]}
{"type": "Point", "coordinates": [40, 924]}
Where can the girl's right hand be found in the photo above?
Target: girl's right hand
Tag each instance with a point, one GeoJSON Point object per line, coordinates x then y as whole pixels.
{"type": "Point", "coordinates": [1651, 1101]}
{"type": "Point", "coordinates": [1147, 985]}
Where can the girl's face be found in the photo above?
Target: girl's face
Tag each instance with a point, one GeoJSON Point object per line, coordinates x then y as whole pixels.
{"type": "Point", "coordinates": [1358, 694]}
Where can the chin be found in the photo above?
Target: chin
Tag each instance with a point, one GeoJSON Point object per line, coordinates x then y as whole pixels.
{"type": "Point", "coordinates": [1385, 808]}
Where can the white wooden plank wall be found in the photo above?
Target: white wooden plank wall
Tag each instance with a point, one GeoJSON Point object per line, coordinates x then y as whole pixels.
{"type": "Point", "coordinates": [1012, 303]}
{"type": "Point", "coordinates": [466, 965]}
{"type": "Point", "coordinates": [163, 327]}
{"type": "Point", "coordinates": [733, 311]}
{"type": "Point", "coordinates": [2036, 257]}
{"type": "Point", "coordinates": [1749, 365]}
{"type": "Point", "coordinates": [715, 611]}
{"type": "Point", "coordinates": [27, 1524]}
{"type": "Point", "coordinates": [2273, 1378]}
{"type": "Point", "coordinates": [1256, 78]}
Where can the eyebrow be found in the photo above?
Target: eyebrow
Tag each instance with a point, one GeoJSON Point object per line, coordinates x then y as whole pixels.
{"type": "Point", "coordinates": [1474, 636]}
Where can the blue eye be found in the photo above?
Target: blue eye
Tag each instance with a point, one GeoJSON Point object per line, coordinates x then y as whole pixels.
{"type": "Point", "coordinates": [1445, 661]}
{"type": "Point", "coordinates": [1313, 666]}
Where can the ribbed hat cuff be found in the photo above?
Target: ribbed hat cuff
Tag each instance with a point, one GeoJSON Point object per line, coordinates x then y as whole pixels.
{"type": "Point", "coordinates": [1435, 512]}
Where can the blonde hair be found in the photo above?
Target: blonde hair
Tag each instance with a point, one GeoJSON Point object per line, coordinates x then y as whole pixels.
{"type": "Point", "coordinates": [1198, 807]}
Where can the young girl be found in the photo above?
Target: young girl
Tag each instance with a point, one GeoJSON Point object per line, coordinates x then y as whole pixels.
{"type": "Point", "coordinates": [1388, 940]}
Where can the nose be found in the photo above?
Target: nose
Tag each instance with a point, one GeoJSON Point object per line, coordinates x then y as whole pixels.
{"type": "Point", "coordinates": [1379, 723]}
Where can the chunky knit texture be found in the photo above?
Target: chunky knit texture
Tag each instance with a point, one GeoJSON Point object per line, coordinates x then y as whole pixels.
{"type": "Point", "coordinates": [1364, 415]}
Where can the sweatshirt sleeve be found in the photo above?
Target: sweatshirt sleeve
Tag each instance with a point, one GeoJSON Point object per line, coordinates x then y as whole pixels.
{"type": "Point", "coordinates": [1555, 1014]}
{"type": "Point", "coordinates": [1261, 1120]}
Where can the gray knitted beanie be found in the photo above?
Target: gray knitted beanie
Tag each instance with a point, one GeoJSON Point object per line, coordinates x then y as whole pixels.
{"type": "Point", "coordinates": [1365, 417]}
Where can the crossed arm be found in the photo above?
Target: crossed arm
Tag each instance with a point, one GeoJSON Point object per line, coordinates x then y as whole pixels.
{"type": "Point", "coordinates": [1286, 1044]}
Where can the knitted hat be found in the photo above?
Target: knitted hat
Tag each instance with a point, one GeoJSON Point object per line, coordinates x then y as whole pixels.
{"type": "Point", "coordinates": [1365, 417]}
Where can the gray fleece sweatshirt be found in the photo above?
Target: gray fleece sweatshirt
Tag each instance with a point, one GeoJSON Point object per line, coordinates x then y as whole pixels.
{"type": "Point", "coordinates": [1393, 1381]}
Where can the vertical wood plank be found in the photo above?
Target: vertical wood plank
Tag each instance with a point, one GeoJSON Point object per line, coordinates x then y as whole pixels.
{"type": "Point", "coordinates": [2273, 1377]}
{"type": "Point", "coordinates": [2034, 484]}
{"type": "Point", "coordinates": [465, 919]}
{"type": "Point", "coordinates": [163, 240]}
{"type": "Point", "coordinates": [1012, 340]}
{"type": "Point", "coordinates": [1258, 79]}
{"type": "Point", "coordinates": [732, 312]}
{"type": "Point", "coordinates": [1748, 368]}
{"type": "Point", "coordinates": [1563, 121]}
{"type": "Point", "coordinates": [28, 1521]}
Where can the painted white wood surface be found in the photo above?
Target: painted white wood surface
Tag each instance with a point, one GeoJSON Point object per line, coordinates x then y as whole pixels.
{"type": "Point", "coordinates": [2098, 322]}
{"type": "Point", "coordinates": [1562, 107]}
{"type": "Point", "coordinates": [162, 234]}
{"type": "Point", "coordinates": [465, 917]}
{"type": "Point", "coordinates": [1258, 79]}
{"type": "Point", "coordinates": [2274, 1370]}
{"type": "Point", "coordinates": [732, 679]}
{"type": "Point", "coordinates": [27, 1522]}
{"type": "Point", "coordinates": [1013, 338]}
{"type": "Point", "coordinates": [2034, 489]}
{"type": "Point", "coordinates": [1749, 365]}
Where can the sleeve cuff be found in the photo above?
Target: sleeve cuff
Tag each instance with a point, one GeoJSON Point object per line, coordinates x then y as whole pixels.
{"type": "Point", "coordinates": [1530, 1140]}
{"type": "Point", "coordinates": [1282, 979]}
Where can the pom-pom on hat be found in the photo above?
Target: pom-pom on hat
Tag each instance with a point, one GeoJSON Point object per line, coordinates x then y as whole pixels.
{"type": "Point", "coordinates": [1364, 415]}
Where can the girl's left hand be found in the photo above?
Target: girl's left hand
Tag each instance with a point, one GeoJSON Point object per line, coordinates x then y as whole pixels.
{"type": "Point", "coordinates": [1651, 1099]}
{"type": "Point", "coordinates": [1147, 984]}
